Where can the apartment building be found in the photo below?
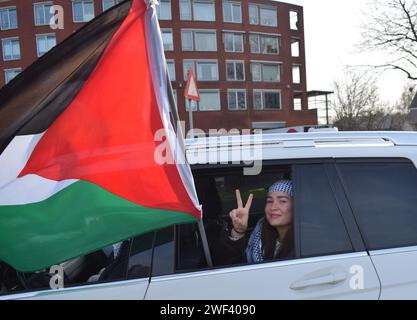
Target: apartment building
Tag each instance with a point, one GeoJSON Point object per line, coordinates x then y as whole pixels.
{"type": "Point", "coordinates": [248, 56]}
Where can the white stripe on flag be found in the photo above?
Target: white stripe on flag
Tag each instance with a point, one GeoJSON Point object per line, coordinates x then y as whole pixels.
{"type": "Point", "coordinates": [28, 189]}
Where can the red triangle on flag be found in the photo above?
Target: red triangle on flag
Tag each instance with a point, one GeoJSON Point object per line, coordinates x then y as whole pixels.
{"type": "Point", "coordinates": [191, 89]}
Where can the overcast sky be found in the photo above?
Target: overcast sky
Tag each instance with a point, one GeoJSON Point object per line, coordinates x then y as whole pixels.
{"type": "Point", "coordinates": [333, 32]}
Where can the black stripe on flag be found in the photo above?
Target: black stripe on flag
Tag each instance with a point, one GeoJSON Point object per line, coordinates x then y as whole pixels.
{"type": "Point", "coordinates": [36, 97]}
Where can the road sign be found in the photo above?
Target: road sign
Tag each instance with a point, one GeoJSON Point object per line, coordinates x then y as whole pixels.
{"type": "Point", "coordinates": [191, 90]}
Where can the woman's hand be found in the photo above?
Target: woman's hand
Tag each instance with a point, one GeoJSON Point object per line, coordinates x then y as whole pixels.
{"type": "Point", "coordinates": [240, 215]}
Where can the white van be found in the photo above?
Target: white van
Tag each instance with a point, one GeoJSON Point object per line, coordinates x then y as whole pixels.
{"type": "Point", "coordinates": [355, 227]}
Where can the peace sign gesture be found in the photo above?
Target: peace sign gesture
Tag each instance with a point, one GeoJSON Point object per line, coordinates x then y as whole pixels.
{"type": "Point", "coordinates": [240, 215]}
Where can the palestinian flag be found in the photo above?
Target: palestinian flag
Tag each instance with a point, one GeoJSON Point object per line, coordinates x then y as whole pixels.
{"type": "Point", "coordinates": [78, 155]}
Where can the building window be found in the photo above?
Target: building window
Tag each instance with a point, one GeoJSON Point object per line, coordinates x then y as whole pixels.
{"type": "Point", "coordinates": [233, 42]}
{"type": "Point", "coordinates": [198, 10]}
{"type": "Point", "coordinates": [198, 40]}
{"type": "Point", "coordinates": [82, 10]}
{"type": "Point", "coordinates": [171, 69]}
{"type": "Point", "coordinates": [44, 43]}
{"type": "Point", "coordinates": [8, 18]}
{"type": "Point", "coordinates": [107, 4]}
{"type": "Point", "coordinates": [267, 100]}
{"type": "Point", "coordinates": [9, 74]}
{"type": "Point", "coordinates": [264, 44]}
{"type": "Point", "coordinates": [11, 49]}
{"type": "Point", "coordinates": [209, 101]}
{"type": "Point", "coordinates": [295, 48]}
{"type": "Point", "coordinates": [167, 39]}
{"type": "Point", "coordinates": [163, 10]}
{"type": "Point", "coordinates": [232, 12]}
{"type": "Point", "coordinates": [263, 15]}
{"type": "Point", "coordinates": [174, 93]}
{"type": "Point", "coordinates": [43, 13]}
{"type": "Point", "coordinates": [205, 70]}
{"type": "Point", "coordinates": [235, 70]}
{"type": "Point", "coordinates": [294, 20]}
{"type": "Point", "coordinates": [236, 99]}
{"type": "Point", "coordinates": [266, 72]}
{"type": "Point", "coordinates": [296, 74]}
{"type": "Point", "coordinates": [297, 102]}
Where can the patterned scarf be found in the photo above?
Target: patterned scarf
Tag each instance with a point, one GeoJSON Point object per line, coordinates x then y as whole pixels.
{"type": "Point", "coordinates": [254, 250]}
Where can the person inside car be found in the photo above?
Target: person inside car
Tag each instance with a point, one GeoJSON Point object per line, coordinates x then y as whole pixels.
{"type": "Point", "coordinates": [272, 237]}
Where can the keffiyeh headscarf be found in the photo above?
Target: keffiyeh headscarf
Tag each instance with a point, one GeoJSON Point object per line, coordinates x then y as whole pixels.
{"type": "Point", "coordinates": [254, 250]}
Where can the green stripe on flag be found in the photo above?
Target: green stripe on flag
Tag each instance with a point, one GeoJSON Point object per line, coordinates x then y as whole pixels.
{"type": "Point", "coordinates": [81, 218]}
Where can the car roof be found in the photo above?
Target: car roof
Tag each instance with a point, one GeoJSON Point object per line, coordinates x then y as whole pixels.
{"type": "Point", "coordinates": [307, 139]}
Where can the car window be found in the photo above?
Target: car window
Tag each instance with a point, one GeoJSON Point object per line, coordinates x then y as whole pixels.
{"type": "Point", "coordinates": [321, 227]}
{"type": "Point", "coordinates": [140, 258]}
{"type": "Point", "coordinates": [189, 248]}
{"type": "Point", "coordinates": [105, 265]}
{"type": "Point", "coordinates": [163, 262]}
{"type": "Point", "coordinates": [383, 196]}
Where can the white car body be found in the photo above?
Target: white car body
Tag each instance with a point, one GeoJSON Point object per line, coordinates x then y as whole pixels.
{"type": "Point", "coordinates": [368, 274]}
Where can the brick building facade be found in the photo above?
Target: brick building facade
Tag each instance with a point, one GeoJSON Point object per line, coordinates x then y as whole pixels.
{"type": "Point", "coordinates": [248, 56]}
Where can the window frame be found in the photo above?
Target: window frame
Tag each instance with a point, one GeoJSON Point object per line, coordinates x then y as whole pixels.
{"type": "Point", "coordinates": [43, 4]}
{"type": "Point", "coordinates": [234, 34]}
{"type": "Point", "coordinates": [166, 30]}
{"type": "Point", "coordinates": [172, 61]}
{"type": "Point", "coordinates": [297, 95]}
{"type": "Point", "coordinates": [298, 41]}
{"type": "Point", "coordinates": [8, 9]}
{"type": "Point", "coordinates": [41, 35]}
{"type": "Point", "coordinates": [83, 6]}
{"type": "Point", "coordinates": [236, 92]}
{"type": "Point", "coordinates": [18, 70]}
{"type": "Point", "coordinates": [115, 2]}
{"type": "Point", "coordinates": [3, 40]}
{"type": "Point", "coordinates": [158, 10]}
{"type": "Point", "coordinates": [195, 63]}
{"type": "Point", "coordinates": [296, 67]}
{"type": "Point", "coordinates": [297, 28]}
{"type": "Point", "coordinates": [258, 14]}
{"type": "Point", "coordinates": [194, 32]}
{"type": "Point", "coordinates": [197, 105]}
{"type": "Point", "coordinates": [232, 3]}
{"type": "Point", "coordinates": [235, 72]}
{"type": "Point", "coordinates": [261, 65]}
{"type": "Point", "coordinates": [263, 91]}
{"type": "Point", "coordinates": [192, 13]}
{"type": "Point", "coordinates": [259, 42]}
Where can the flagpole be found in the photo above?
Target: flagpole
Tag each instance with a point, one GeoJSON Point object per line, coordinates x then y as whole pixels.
{"type": "Point", "coordinates": [205, 243]}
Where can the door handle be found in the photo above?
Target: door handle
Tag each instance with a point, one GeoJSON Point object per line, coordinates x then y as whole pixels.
{"type": "Point", "coordinates": [332, 279]}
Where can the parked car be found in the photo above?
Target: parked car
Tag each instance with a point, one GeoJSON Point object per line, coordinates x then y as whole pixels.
{"type": "Point", "coordinates": [355, 227]}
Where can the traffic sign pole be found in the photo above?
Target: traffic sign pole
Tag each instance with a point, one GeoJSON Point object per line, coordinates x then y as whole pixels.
{"type": "Point", "coordinates": [190, 117]}
{"type": "Point", "coordinates": [191, 93]}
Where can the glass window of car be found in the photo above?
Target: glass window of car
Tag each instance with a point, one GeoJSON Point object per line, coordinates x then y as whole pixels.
{"type": "Point", "coordinates": [106, 265]}
{"type": "Point", "coordinates": [322, 228]}
{"type": "Point", "coordinates": [383, 196]}
{"type": "Point", "coordinates": [140, 257]}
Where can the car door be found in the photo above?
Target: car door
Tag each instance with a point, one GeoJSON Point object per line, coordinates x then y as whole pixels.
{"type": "Point", "coordinates": [383, 196]}
{"type": "Point", "coordinates": [125, 277]}
{"type": "Point", "coordinates": [331, 261]}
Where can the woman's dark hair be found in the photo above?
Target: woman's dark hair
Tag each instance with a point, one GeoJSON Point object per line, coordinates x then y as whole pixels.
{"type": "Point", "coordinates": [269, 239]}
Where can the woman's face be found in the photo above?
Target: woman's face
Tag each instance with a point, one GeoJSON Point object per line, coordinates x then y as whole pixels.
{"type": "Point", "coordinates": [278, 209]}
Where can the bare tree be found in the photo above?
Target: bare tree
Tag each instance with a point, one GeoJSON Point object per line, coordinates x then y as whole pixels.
{"type": "Point", "coordinates": [392, 28]}
{"type": "Point", "coordinates": [357, 104]}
